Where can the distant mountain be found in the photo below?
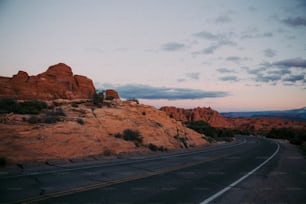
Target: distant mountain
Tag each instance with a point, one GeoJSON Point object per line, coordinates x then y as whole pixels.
{"type": "Point", "coordinates": [295, 114]}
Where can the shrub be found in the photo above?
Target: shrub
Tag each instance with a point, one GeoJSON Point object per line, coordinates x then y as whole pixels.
{"type": "Point", "coordinates": [3, 161]}
{"type": "Point", "coordinates": [32, 107]}
{"type": "Point", "coordinates": [34, 120]}
{"type": "Point", "coordinates": [110, 97]}
{"type": "Point", "coordinates": [131, 135]}
{"type": "Point", "coordinates": [107, 152]}
{"type": "Point", "coordinates": [26, 107]}
{"type": "Point", "coordinates": [118, 135]}
{"type": "Point", "coordinates": [74, 105]}
{"type": "Point", "coordinates": [80, 121]}
{"type": "Point", "coordinates": [153, 147]}
{"type": "Point", "coordinates": [49, 120]}
{"type": "Point", "coordinates": [56, 112]}
{"type": "Point", "coordinates": [8, 105]}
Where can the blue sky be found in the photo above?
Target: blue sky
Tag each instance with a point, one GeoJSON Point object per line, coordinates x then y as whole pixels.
{"type": "Point", "coordinates": [229, 55]}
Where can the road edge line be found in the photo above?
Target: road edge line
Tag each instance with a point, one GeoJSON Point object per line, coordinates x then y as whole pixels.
{"type": "Point", "coordinates": [216, 195]}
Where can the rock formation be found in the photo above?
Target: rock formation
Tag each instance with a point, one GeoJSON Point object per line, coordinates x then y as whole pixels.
{"type": "Point", "coordinates": [113, 93]}
{"type": "Point", "coordinates": [212, 117]}
{"type": "Point", "coordinates": [206, 114]}
{"type": "Point", "coordinates": [58, 82]}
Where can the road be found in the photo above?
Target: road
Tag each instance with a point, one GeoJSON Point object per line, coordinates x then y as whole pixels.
{"type": "Point", "coordinates": [250, 170]}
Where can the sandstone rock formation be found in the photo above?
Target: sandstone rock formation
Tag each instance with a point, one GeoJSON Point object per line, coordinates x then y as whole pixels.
{"type": "Point", "coordinates": [58, 82]}
{"type": "Point", "coordinates": [208, 115]}
{"type": "Point", "coordinates": [87, 131]}
{"type": "Point", "coordinates": [212, 117]}
{"type": "Point", "coordinates": [113, 93]}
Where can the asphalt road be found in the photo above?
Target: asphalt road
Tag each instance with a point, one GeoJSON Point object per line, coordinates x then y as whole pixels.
{"type": "Point", "coordinates": [192, 176]}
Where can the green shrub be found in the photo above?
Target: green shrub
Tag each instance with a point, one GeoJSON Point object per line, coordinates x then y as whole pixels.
{"type": "Point", "coordinates": [34, 120]}
{"type": "Point", "coordinates": [153, 147]}
{"type": "Point", "coordinates": [118, 135]}
{"type": "Point", "coordinates": [3, 161]}
{"type": "Point", "coordinates": [107, 152]}
{"type": "Point", "coordinates": [110, 97]}
{"type": "Point", "coordinates": [80, 121]}
{"type": "Point", "coordinates": [26, 107]}
{"type": "Point", "coordinates": [56, 112]}
{"type": "Point", "coordinates": [74, 105]}
{"type": "Point", "coordinates": [131, 135]}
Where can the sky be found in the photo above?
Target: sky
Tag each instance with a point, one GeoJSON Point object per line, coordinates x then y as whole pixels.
{"type": "Point", "coordinates": [238, 55]}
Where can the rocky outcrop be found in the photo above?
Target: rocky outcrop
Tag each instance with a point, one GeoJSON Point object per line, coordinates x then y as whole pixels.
{"type": "Point", "coordinates": [112, 93]}
{"type": "Point", "coordinates": [86, 131]}
{"type": "Point", "coordinates": [249, 125]}
{"type": "Point", "coordinates": [206, 114]}
{"type": "Point", "coordinates": [58, 82]}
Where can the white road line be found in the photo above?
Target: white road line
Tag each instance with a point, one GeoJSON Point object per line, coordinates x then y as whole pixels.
{"type": "Point", "coordinates": [216, 195]}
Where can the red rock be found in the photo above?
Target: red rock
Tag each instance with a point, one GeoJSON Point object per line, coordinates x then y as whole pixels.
{"type": "Point", "coordinates": [58, 82]}
{"type": "Point", "coordinates": [111, 92]}
{"type": "Point", "coordinates": [206, 114]}
{"type": "Point", "coordinates": [212, 117]}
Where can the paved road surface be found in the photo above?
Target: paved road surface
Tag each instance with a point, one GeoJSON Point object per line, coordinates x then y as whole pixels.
{"type": "Point", "coordinates": [189, 177]}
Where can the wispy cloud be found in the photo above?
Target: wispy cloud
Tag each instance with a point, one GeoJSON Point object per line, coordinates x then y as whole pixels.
{"type": "Point", "coordinates": [141, 91]}
{"type": "Point", "coordinates": [284, 71]}
{"type": "Point", "coordinates": [295, 22]}
{"type": "Point", "coordinates": [294, 62]}
{"type": "Point", "coordinates": [218, 40]}
{"type": "Point", "coordinates": [209, 50]}
{"type": "Point", "coordinates": [193, 75]}
{"type": "Point", "coordinates": [173, 46]}
{"type": "Point", "coordinates": [269, 52]}
{"type": "Point", "coordinates": [223, 19]}
{"type": "Point", "coordinates": [229, 78]}
{"type": "Point", "coordinates": [251, 35]}
{"type": "Point", "coordinates": [236, 59]}
{"type": "Point", "coordinates": [225, 70]}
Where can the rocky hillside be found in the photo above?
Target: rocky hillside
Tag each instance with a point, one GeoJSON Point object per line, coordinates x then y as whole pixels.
{"type": "Point", "coordinates": [57, 82]}
{"type": "Point", "coordinates": [212, 117]}
{"type": "Point", "coordinates": [70, 129]}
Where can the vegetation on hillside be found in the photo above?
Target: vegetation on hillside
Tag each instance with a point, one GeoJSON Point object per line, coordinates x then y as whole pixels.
{"type": "Point", "coordinates": [8, 105]}
{"type": "Point", "coordinates": [209, 131]}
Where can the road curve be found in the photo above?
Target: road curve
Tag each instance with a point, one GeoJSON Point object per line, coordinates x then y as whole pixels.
{"type": "Point", "coordinates": [181, 177]}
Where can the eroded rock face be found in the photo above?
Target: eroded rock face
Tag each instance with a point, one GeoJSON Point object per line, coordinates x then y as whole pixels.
{"type": "Point", "coordinates": [70, 138]}
{"type": "Point", "coordinates": [58, 82]}
{"type": "Point", "coordinates": [113, 93]}
{"type": "Point", "coordinates": [212, 117]}
{"type": "Point", "coordinates": [206, 114]}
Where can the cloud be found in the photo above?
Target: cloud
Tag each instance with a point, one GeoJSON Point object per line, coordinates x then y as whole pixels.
{"type": "Point", "coordinates": [267, 78]}
{"type": "Point", "coordinates": [208, 36]}
{"type": "Point", "coordinates": [225, 70]}
{"type": "Point", "coordinates": [294, 62]}
{"type": "Point", "coordinates": [283, 71]}
{"type": "Point", "coordinates": [219, 40]}
{"type": "Point", "coordinates": [172, 46]}
{"type": "Point", "coordinates": [295, 78]}
{"type": "Point", "coordinates": [229, 78]}
{"type": "Point", "coordinates": [141, 91]}
{"type": "Point", "coordinates": [251, 35]}
{"type": "Point", "coordinates": [295, 22]}
{"type": "Point", "coordinates": [269, 52]}
{"type": "Point", "coordinates": [223, 19]}
{"type": "Point", "coordinates": [193, 75]}
{"type": "Point", "coordinates": [236, 58]}
{"type": "Point", "coordinates": [209, 50]}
